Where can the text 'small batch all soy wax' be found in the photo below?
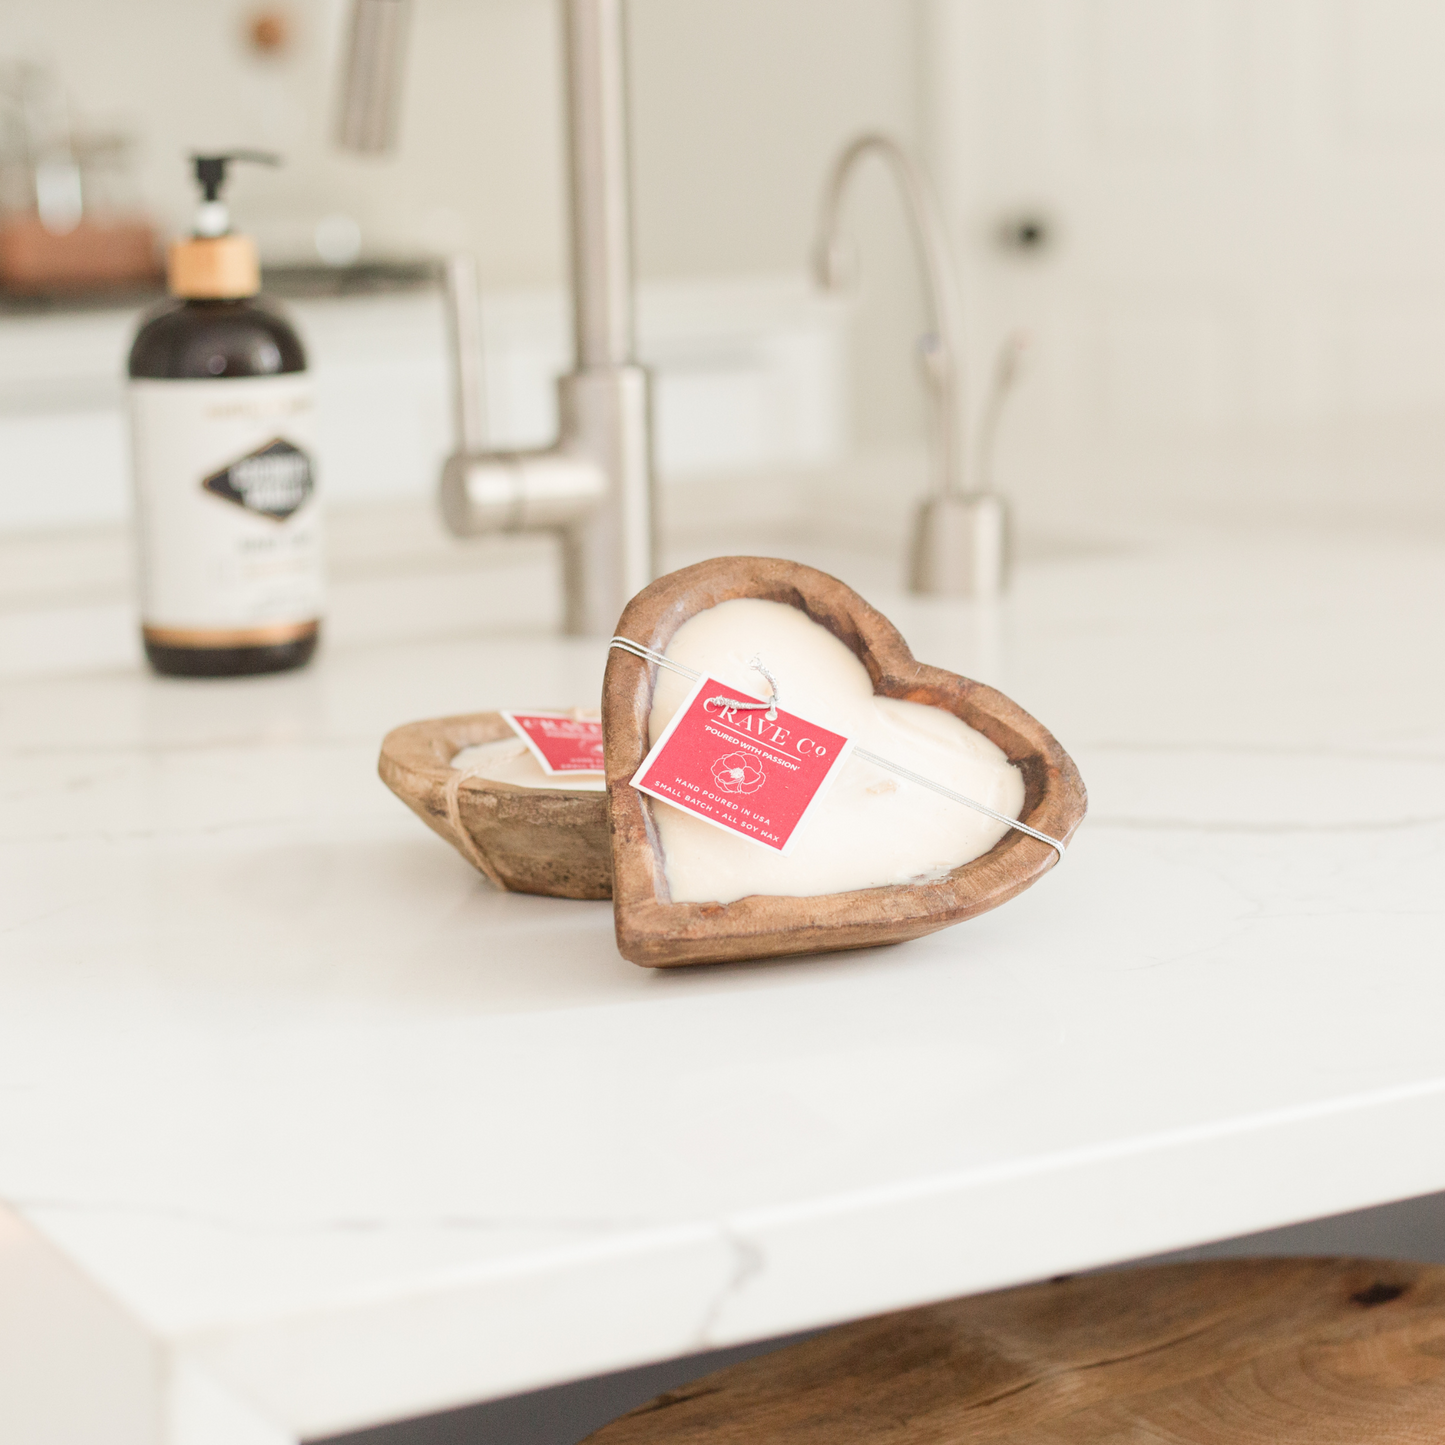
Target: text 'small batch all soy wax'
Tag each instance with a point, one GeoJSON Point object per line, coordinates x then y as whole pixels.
{"type": "Point", "coordinates": [222, 417]}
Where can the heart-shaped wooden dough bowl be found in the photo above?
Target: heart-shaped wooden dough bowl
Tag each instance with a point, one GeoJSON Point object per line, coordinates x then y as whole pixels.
{"type": "Point", "coordinates": [654, 931]}
{"type": "Point", "coordinates": [528, 840]}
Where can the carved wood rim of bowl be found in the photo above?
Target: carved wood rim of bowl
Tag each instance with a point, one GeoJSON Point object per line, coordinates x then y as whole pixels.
{"type": "Point", "coordinates": [655, 932]}
{"type": "Point", "coordinates": [551, 841]}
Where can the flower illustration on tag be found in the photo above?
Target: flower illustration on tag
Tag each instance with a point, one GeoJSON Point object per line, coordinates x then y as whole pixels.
{"type": "Point", "coordinates": [738, 773]}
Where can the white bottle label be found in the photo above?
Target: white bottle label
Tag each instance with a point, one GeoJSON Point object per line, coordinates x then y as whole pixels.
{"type": "Point", "coordinates": [227, 516]}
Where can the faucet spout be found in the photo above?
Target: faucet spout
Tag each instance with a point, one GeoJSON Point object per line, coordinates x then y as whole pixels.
{"type": "Point", "coordinates": [940, 348]}
{"type": "Point", "coordinates": [593, 487]}
{"type": "Point", "coordinates": [959, 541]}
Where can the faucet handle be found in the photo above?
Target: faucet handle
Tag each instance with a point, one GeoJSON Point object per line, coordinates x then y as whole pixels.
{"type": "Point", "coordinates": [375, 57]}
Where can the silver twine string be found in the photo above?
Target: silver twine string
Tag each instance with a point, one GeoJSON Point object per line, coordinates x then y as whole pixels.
{"type": "Point", "coordinates": [646, 654]}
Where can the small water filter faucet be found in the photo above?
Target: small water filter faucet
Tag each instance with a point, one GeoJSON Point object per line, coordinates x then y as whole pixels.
{"type": "Point", "coordinates": [593, 487]}
{"type": "Point", "coordinates": [959, 535]}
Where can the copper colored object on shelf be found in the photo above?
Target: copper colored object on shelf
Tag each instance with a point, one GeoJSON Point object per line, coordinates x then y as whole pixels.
{"type": "Point", "coordinates": [268, 32]}
{"type": "Point", "coordinates": [527, 840]}
{"type": "Point", "coordinates": [656, 932]}
{"type": "Point", "coordinates": [92, 256]}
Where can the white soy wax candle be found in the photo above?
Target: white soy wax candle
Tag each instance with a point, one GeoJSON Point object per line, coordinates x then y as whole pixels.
{"type": "Point", "coordinates": [508, 760]}
{"type": "Point", "coordinates": [871, 828]}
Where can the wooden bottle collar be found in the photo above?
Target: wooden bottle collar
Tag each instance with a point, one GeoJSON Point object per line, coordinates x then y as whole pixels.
{"type": "Point", "coordinates": [220, 267]}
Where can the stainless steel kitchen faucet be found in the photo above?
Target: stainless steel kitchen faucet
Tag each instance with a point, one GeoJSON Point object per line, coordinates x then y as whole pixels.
{"type": "Point", "coordinates": [959, 545]}
{"type": "Point", "coordinates": [593, 486]}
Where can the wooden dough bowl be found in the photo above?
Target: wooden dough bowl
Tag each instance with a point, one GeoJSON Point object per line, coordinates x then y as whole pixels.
{"type": "Point", "coordinates": [528, 840]}
{"type": "Point", "coordinates": [1230, 1352]}
{"type": "Point", "coordinates": [656, 932]}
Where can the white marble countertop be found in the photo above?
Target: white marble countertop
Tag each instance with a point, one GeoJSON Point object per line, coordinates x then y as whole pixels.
{"type": "Point", "coordinates": [304, 1127]}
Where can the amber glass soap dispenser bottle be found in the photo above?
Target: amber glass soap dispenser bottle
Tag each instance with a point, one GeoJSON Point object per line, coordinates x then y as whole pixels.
{"type": "Point", "coordinates": [221, 410]}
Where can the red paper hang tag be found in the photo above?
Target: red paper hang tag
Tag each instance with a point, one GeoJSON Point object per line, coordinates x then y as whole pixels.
{"type": "Point", "coordinates": [560, 742]}
{"type": "Point", "coordinates": [737, 770]}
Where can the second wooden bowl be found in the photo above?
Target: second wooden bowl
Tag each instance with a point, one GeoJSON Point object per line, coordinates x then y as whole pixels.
{"type": "Point", "coordinates": [528, 840]}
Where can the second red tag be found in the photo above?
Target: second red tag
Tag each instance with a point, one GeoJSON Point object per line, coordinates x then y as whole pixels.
{"type": "Point", "coordinates": [560, 742]}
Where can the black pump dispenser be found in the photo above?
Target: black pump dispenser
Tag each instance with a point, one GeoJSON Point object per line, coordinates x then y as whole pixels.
{"type": "Point", "coordinates": [211, 170]}
{"type": "Point", "coordinates": [212, 217]}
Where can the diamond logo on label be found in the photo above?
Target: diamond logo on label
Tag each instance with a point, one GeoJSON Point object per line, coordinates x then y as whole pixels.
{"type": "Point", "coordinates": [274, 481]}
{"type": "Point", "coordinates": [560, 741]}
{"type": "Point", "coordinates": [739, 769]}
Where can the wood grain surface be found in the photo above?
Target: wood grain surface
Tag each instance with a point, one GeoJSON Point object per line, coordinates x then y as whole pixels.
{"type": "Point", "coordinates": [528, 840]}
{"type": "Point", "coordinates": [1231, 1352]}
{"type": "Point", "coordinates": [656, 932]}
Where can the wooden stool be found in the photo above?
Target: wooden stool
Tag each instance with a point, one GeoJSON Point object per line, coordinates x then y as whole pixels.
{"type": "Point", "coordinates": [1230, 1352]}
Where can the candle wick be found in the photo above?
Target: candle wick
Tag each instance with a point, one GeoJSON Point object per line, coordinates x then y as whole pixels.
{"type": "Point", "coordinates": [758, 665]}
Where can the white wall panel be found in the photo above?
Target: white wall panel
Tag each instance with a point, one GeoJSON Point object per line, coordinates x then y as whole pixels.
{"type": "Point", "coordinates": [1392, 56]}
{"type": "Point", "coordinates": [1164, 74]}
{"type": "Point", "coordinates": [1249, 221]}
{"type": "Point", "coordinates": [1169, 365]}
